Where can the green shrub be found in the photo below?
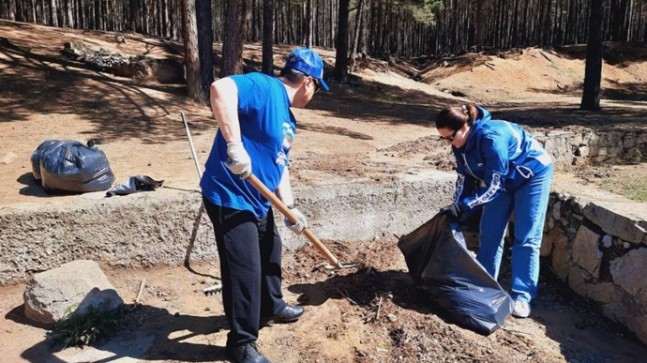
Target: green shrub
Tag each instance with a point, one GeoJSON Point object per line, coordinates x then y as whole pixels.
{"type": "Point", "coordinates": [84, 329]}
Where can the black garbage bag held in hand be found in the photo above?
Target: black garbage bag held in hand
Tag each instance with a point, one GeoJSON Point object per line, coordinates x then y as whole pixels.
{"type": "Point", "coordinates": [439, 262]}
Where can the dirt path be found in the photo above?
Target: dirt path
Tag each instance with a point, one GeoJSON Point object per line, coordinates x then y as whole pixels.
{"type": "Point", "coordinates": [371, 314]}
{"type": "Point", "coordinates": [371, 130]}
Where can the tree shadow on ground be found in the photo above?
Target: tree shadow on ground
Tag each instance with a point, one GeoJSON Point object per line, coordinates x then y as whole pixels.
{"type": "Point", "coordinates": [627, 92]}
{"type": "Point", "coordinates": [630, 93]}
{"type": "Point", "coordinates": [623, 53]}
{"type": "Point", "coordinates": [363, 287]}
{"type": "Point", "coordinates": [368, 101]}
{"type": "Point", "coordinates": [124, 108]}
{"type": "Point", "coordinates": [571, 319]}
{"type": "Point", "coordinates": [149, 333]}
{"type": "Point", "coordinates": [577, 323]}
{"type": "Point", "coordinates": [120, 108]}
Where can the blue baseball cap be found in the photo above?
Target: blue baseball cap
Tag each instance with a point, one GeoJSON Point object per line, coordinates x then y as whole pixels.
{"type": "Point", "coordinates": [308, 62]}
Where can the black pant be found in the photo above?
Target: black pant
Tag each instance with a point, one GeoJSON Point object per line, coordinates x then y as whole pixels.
{"type": "Point", "coordinates": [250, 266]}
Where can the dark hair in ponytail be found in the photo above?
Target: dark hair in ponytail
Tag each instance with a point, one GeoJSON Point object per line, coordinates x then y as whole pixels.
{"type": "Point", "coordinates": [454, 118]}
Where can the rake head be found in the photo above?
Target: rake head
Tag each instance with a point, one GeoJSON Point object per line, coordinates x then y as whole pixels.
{"type": "Point", "coordinates": [212, 290]}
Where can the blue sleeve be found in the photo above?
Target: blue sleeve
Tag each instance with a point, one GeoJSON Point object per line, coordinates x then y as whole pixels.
{"type": "Point", "coordinates": [465, 183]}
{"type": "Point", "coordinates": [495, 151]}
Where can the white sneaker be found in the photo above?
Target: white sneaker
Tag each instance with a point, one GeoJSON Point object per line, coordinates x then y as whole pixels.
{"type": "Point", "coordinates": [520, 309]}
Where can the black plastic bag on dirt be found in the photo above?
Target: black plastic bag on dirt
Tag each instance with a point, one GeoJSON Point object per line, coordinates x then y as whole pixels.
{"type": "Point", "coordinates": [42, 150]}
{"type": "Point", "coordinates": [134, 184]}
{"type": "Point", "coordinates": [72, 167]}
{"type": "Point", "coordinates": [441, 265]}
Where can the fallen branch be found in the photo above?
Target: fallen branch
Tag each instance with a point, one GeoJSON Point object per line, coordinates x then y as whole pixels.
{"type": "Point", "coordinates": [141, 289]}
{"type": "Point", "coordinates": [516, 331]}
{"type": "Point", "coordinates": [545, 56]}
{"type": "Point", "coordinates": [347, 297]}
{"type": "Point", "coordinates": [341, 243]}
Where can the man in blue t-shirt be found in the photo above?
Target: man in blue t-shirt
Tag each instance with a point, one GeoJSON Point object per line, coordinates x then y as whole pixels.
{"type": "Point", "coordinates": [256, 130]}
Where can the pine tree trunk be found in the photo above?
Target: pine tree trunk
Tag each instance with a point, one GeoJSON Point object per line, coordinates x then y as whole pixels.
{"type": "Point", "coordinates": [205, 43]}
{"type": "Point", "coordinates": [268, 37]}
{"type": "Point", "coordinates": [309, 22]}
{"type": "Point", "coordinates": [53, 19]}
{"type": "Point", "coordinates": [341, 57]}
{"type": "Point", "coordinates": [359, 24]}
{"type": "Point", "coordinates": [232, 46]}
{"type": "Point", "coordinates": [191, 55]}
{"type": "Point", "coordinates": [593, 68]}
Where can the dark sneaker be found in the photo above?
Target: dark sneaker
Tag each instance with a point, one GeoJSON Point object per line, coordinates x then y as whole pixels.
{"type": "Point", "coordinates": [247, 353]}
{"type": "Point", "coordinates": [289, 314]}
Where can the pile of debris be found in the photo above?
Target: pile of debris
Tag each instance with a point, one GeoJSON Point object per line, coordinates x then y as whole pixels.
{"type": "Point", "coordinates": [130, 66]}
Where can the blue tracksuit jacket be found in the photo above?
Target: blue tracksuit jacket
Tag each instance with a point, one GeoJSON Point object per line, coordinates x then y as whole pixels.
{"type": "Point", "coordinates": [498, 155]}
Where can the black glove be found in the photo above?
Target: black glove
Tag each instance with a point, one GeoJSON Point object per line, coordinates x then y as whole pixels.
{"type": "Point", "coordinates": [452, 209]}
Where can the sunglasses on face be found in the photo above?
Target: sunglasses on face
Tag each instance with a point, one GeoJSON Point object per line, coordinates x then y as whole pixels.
{"type": "Point", "coordinates": [449, 138]}
{"type": "Point", "coordinates": [317, 85]}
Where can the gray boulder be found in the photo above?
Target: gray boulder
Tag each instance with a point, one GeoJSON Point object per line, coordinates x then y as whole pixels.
{"type": "Point", "coordinates": [72, 287]}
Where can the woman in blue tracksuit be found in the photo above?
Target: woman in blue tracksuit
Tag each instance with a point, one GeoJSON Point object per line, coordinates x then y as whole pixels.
{"type": "Point", "coordinates": [501, 168]}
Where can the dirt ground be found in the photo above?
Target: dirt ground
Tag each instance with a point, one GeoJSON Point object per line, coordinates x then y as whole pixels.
{"type": "Point", "coordinates": [372, 129]}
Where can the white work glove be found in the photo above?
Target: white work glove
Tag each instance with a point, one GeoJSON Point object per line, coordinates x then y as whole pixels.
{"type": "Point", "coordinates": [301, 224]}
{"type": "Point", "coordinates": [238, 160]}
{"type": "Point", "coordinates": [453, 208]}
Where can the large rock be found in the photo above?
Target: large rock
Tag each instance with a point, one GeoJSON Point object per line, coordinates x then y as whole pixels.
{"type": "Point", "coordinates": [619, 219]}
{"type": "Point", "coordinates": [628, 272]}
{"type": "Point", "coordinates": [73, 287]}
{"type": "Point", "coordinates": [585, 251]}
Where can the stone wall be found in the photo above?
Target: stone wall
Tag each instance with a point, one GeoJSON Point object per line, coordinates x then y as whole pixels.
{"type": "Point", "coordinates": [599, 146]}
{"type": "Point", "coordinates": [597, 243]}
{"type": "Point", "coordinates": [158, 227]}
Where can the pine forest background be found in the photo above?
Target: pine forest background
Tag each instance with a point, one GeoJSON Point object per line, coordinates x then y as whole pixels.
{"type": "Point", "coordinates": [375, 27]}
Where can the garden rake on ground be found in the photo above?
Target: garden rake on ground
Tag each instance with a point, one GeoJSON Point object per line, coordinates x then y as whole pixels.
{"type": "Point", "coordinates": [217, 287]}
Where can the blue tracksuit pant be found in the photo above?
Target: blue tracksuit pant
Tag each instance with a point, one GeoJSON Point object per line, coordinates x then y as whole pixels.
{"type": "Point", "coordinates": [529, 203]}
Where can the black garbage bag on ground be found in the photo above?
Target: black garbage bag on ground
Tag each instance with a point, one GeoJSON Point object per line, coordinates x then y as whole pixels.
{"type": "Point", "coordinates": [441, 265]}
{"type": "Point", "coordinates": [42, 150]}
{"type": "Point", "coordinates": [72, 167]}
{"type": "Point", "coordinates": [134, 184]}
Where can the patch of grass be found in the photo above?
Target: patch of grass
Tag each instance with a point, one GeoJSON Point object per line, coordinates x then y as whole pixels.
{"type": "Point", "coordinates": [634, 189]}
{"type": "Point", "coordinates": [84, 329]}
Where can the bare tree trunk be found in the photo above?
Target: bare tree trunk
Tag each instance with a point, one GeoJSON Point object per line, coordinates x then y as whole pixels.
{"type": "Point", "coordinates": [341, 57]}
{"type": "Point", "coordinates": [332, 23]}
{"type": "Point", "coordinates": [205, 43]}
{"type": "Point", "coordinates": [69, 7]}
{"type": "Point", "coordinates": [11, 9]}
{"type": "Point", "coordinates": [268, 37]}
{"type": "Point", "coordinates": [232, 46]}
{"type": "Point", "coordinates": [358, 30]}
{"type": "Point", "coordinates": [33, 11]}
{"type": "Point", "coordinates": [191, 56]}
{"type": "Point", "coordinates": [53, 20]}
{"type": "Point", "coordinates": [309, 21]}
{"type": "Point", "coordinates": [134, 7]}
{"type": "Point", "coordinates": [593, 68]}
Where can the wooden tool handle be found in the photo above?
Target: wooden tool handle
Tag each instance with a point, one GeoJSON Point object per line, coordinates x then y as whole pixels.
{"type": "Point", "coordinates": [278, 203]}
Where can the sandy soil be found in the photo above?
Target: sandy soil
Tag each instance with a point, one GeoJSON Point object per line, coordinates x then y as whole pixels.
{"type": "Point", "coordinates": [373, 128]}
